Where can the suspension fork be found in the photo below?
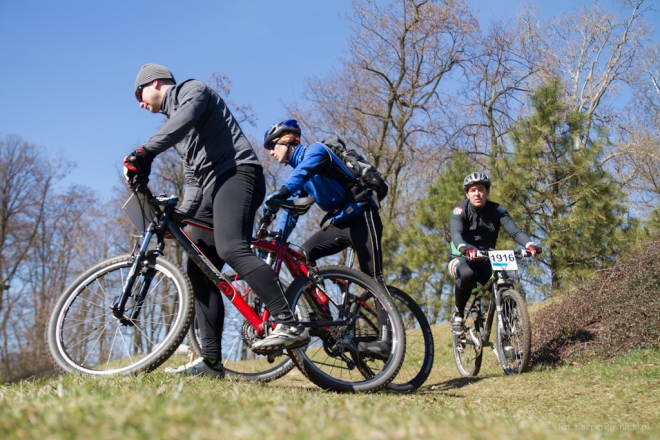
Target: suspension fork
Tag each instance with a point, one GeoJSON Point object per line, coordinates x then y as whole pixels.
{"type": "Point", "coordinates": [119, 304]}
{"type": "Point", "coordinates": [503, 283]}
{"type": "Point", "coordinates": [500, 282]}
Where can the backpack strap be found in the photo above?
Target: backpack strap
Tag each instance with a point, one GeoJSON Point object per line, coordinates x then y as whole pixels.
{"type": "Point", "coordinates": [340, 164]}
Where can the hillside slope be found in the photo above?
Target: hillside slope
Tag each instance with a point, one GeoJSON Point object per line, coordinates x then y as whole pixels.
{"type": "Point", "coordinates": [616, 312]}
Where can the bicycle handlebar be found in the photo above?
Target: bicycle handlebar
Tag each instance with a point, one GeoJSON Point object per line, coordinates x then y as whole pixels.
{"type": "Point", "coordinates": [519, 253]}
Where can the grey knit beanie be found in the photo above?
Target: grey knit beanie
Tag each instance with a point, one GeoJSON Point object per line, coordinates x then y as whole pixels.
{"type": "Point", "coordinates": [150, 72]}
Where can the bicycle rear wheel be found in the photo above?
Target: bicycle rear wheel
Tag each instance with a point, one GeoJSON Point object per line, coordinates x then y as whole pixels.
{"type": "Point", "coordinates": [237, 338]}
{"type": "Point", "coordinates": [333, 360]}
{"type": "Point", "coordinates": [418, 362]}
{"type": "Point", "coordinates": [84, 337]}
{"type": "Point", "coordinates": [514, 336]}
{"type": "Point", "coordinates": [468, 348]}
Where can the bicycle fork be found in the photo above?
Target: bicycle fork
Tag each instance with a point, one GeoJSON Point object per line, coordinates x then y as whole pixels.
{"type": "Point", "coordinates": [502, 284]}
{"type": "Point", "coordinates": [119, 304]}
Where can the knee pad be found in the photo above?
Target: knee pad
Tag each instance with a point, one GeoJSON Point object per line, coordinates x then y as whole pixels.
{"type": "Point", "coordinates": [452, 266]}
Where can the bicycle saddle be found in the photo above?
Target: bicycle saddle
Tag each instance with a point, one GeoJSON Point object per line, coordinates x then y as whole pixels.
{"type": "Point", "coordinates": [300, 205]}
{"type": "Point", "coordinates": [344, 241]}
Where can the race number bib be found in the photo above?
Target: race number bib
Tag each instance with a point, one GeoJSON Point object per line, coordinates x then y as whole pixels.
{"type": "Point", "coordinates": [503, 260]}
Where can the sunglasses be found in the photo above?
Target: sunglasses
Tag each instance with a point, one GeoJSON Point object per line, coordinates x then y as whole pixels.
{"type": "Point", "coordinates": [272, 144]}
{"type": "Point", "coordinates": [138, 92]}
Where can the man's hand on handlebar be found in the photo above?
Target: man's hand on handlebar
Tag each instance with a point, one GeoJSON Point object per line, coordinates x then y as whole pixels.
{"type": "Point", "coordinates": [533, 249]}
{"type": "Point", "coordinates": [137, 167]}
{"type": "Point", "coordinates": [266, 220]}
{"type": "Point", "coordinates": [469, 251]}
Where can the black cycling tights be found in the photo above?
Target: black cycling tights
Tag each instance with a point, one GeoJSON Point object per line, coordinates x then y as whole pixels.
{"type": "Point", "coordinates": [231, 207]}
{"type": "Point", "coordinates": [467, 274]}
{"type": "Point", "coordinates": [364, 232]}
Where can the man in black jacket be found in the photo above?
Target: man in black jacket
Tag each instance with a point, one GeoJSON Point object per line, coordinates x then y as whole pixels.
{"type": "Point", "coordinates": [225, 185]}
{"type": "Point", "coordinates": [474, 225]}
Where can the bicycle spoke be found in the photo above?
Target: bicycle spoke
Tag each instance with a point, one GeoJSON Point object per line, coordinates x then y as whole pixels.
{"type": "Point", "coordinates": [90, 343]}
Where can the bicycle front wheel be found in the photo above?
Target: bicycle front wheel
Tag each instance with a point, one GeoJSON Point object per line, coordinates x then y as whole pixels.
{"type": "Point", "coordinates": [85, 337]}
{"type": "Point", "coordinates": [238, 335]}
{"type": "Point", "coordinates": [468, 347]}
{"type": "Point", "coordinates": [343, 309]}
{"type": "Point", "coordinates": [514, 334]}
{"type": "Point", "coordinates": [418, 362]}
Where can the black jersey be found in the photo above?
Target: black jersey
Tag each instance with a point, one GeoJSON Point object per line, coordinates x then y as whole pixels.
{"type": "Point", "coordinates": [480, 227]}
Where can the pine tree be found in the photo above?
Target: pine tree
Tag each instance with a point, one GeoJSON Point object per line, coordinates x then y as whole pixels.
{"type": "Point", "coordinates": [557, 189]}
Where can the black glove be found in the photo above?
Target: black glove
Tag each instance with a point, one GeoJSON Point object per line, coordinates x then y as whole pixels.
{"type": "Point", "coordinates": [282, 194]}
{"type": "Point", "coordinates": [534, 249]}
{"type": "Point", "coordinates": [137, 166]}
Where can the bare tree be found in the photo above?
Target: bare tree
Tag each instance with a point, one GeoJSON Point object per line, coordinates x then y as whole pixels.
{"type": "Point", "coordinates": [594, 50]}
{"type": "Point", "coordinates": [26, 182]}
{"type": "Point", "coordinates": [385, 98]}
{"type": "Point", "coordinates": [499, 73]}
{"type": "Point", "coordinates": [647, 85]}
{"type": "Point", "coordinates": [67, 236]}
{"type": "Point", "coordinates": [639, 167]}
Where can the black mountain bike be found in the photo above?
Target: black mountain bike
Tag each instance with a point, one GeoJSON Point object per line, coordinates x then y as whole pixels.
{"type": "Point", "coordinates": [420, 348]}
{"type": "Point", "coordinates": [513, 330]}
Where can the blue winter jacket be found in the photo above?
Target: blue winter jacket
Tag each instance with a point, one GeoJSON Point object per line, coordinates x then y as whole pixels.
{"type": "Point", "coordinates": [319, 173]}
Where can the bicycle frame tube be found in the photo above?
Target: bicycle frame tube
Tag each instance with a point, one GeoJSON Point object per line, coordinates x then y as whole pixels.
{"type": "Point", "coordinates": [291, 259]}
{"type": "Point", "coordinates": [214, 274]}
{"type": "Point", "coordinates": [491, 307]}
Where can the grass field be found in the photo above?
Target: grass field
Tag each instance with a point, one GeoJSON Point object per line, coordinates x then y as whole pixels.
{"type": "Point", "coordinates": [597, 399]}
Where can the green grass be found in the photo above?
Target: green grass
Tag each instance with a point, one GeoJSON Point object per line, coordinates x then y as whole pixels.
{"type": "Point", "coordinates": [616, 399]}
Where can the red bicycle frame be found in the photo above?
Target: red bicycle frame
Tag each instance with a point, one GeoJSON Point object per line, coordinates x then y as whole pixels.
{"type": "Point", "coordinates": [295, 262]}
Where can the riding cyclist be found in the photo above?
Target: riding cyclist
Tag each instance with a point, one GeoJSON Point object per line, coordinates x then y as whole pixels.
{"type": "Point", "coordinates": [225, 186]}
{"type": "Point", "coordinates": [352, 212]}
{"type": "Point", "coordinates": [474, 225]}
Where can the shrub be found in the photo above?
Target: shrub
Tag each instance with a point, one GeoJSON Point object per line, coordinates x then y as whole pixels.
{"type": "Point", "coordinates": [616, 312]}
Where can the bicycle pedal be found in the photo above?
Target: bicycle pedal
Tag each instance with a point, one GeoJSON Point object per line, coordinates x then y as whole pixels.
{"type": "Point", "coordinates": [272, 356]}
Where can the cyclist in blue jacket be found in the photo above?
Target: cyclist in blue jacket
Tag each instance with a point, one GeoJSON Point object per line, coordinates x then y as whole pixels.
{"type": "Point", "coordinates": [352, 212]}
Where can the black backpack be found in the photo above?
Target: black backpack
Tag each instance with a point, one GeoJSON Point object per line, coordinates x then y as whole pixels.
{"type": "Point", "coordinates": [365, 173]}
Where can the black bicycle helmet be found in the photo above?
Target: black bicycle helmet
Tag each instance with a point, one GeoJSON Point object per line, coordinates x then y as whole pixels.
{"type": "Point", "coordinates": [276, 131]}
{"type": "Point", "coordinates": [473, 178]}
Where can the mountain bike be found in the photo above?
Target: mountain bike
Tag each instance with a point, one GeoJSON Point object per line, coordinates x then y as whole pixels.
{"type": "Point", "coordinates": [130, 313]}
{"type": "Point", "coordinates": [274, 245]}
{"type": "Point", "coordinates": [420, 348]}
{"type": "Point", "coordinates": [513, 333]}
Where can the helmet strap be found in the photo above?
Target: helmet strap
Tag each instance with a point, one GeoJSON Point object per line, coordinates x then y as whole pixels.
{"type": "Point", "coordinates": [289, 151]}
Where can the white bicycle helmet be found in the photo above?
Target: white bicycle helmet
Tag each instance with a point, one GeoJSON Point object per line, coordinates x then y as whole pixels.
{"type": "Point", "coordinates": [474, 178]}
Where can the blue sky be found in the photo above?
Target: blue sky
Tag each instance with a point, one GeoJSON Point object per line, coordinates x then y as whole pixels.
{"type": "Point", "coordinates": [67, 67]}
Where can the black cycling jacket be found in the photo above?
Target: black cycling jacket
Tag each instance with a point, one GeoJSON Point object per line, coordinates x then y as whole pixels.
{"type": "Point", "coordinates": [205, 134]}
{"type": "Point", "coordinates": [480, 227]}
